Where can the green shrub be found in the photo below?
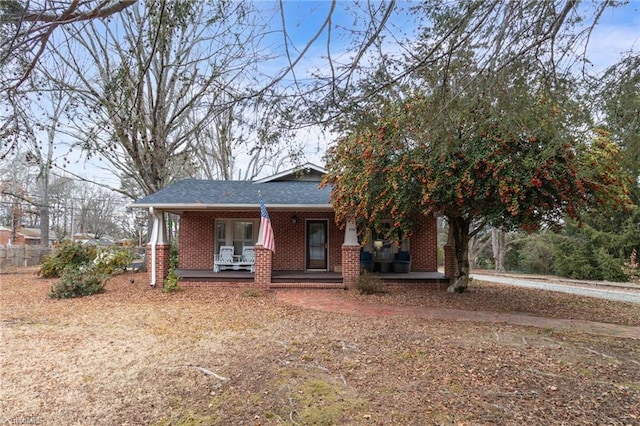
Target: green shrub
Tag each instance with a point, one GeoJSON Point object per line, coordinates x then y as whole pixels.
{"type": "Point", "coordinates": [610, 268]}
{"type": "Point", "coordinates": [173, 256]}
{"type": "Point", "coordinates": [171, 282]}
{"type": "Point", "coordinates": [67, 254]}
{"type": "Point", "coordinates": [82, 269]}
{"type": "Point", "coordinates": [370, 284]}
{"type": "Point", "coordinates": [535, 254]}
{"type": "Point", "coordinates": [78, 282]}
{"type": "Point", "coordinates": [113, 258]}
{"type": "Point", "coordinates": [574, 258]}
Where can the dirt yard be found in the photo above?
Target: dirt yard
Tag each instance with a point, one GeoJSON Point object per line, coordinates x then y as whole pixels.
{"type": "Point", "coordinates": [137, 356]}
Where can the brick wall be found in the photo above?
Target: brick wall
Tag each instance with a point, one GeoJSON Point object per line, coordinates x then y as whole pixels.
{"type": "Point", "coordinates": [197, 238]}
{"type": "Point", "coordinates": [248, 285]}
{"type": "Point", "coordinates": [5, 236]}
{"type": "Point", "coordinates": [290, 246]}
{"type": "Point", "coordinates": [263, 266]}
{"type": "Point", "coordinates": [162, 263]}
{"type": "Point", "coordinates": [424, 246]}
{"type": "Point", "coordinates": [350, 265]}
{"type": "Point", "coordinates": [336, 239]}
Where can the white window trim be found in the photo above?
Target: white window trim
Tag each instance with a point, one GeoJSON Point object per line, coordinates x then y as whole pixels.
{"type": "Point", "coordinates": [228, 238]}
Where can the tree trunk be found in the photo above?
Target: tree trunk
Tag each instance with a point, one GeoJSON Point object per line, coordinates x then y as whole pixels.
{"type": "Point", "coordinates": [44, 229]}
{"type": "Point", "coordinates": [459, 233]}
{"type": "Point", "coordinates": [16, 220]}
{"type": "Point", "coordinates": [499, 245]}
{"type": "Point", "coordinates": [44, 210]}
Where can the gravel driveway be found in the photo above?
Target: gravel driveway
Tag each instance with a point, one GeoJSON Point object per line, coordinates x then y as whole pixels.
{"type": "Point", "coordinates": [610, 291]}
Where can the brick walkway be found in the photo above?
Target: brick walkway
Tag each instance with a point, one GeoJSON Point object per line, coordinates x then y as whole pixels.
{"type": "Point", "coordinates": [331, 301]}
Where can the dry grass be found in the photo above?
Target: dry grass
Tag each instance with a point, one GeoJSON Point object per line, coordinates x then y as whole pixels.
{"type": "Point", "coordinates": [139, 356]}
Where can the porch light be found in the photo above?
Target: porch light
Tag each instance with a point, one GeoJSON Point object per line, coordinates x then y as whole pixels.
{"type": "Point", "coordinates": [294, 219]}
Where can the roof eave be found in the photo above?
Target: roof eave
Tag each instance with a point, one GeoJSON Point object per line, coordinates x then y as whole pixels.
{"type": "Point", "coordinates": [236, 207]}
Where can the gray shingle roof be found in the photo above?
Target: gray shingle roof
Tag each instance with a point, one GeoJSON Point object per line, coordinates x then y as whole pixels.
{"type": "Point", "coordinates": [195, 193]}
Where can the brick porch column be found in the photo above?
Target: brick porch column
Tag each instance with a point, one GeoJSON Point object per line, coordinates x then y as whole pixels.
{"type": "Point", "coordinates": [350, 265]}
{"type": "Point", "coordinates": [449, 267]}
{"type": "Point", "coordinates": [262, 267]}
{"type": "Point", "coordinates": [162, 263]}
{"type": "Point", "coordinates": [350, 255]}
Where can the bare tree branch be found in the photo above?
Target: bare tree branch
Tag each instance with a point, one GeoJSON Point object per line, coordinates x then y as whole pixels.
{"type": "Point", "coordinates": [102, 10]}
{"type": "Point", "coordinates": [39, 35]}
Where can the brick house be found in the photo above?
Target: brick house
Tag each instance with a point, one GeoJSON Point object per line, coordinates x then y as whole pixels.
{"type": "Point", "coordinates": [310, 248]}
{"type": "Point", "coordinates": [24, 236]}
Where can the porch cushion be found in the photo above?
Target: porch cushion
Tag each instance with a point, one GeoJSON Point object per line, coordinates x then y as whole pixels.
{"type": "Point", "coordinates": [366, 261]}
{"type": "Point", "coordinates": [402, 262]}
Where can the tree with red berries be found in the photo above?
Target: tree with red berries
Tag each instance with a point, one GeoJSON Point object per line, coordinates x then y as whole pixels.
{"type": "Point", "coordinates": [508, 153]}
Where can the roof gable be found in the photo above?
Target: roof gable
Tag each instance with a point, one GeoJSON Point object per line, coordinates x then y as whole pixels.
{"type": "Point", "coordinates": [306, 172]}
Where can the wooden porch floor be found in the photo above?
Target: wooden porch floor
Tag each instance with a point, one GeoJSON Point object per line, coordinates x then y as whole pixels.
{"type": "Point", "coordinates": [291, 277]}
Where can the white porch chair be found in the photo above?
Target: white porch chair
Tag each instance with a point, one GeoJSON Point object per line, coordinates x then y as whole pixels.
{"type": "Point", "coordinates": [223, 259]}
{"type": "Point", "coordinates": [249, 256]}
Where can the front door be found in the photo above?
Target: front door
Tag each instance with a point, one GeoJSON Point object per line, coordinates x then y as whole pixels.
{"type": "Point", "coordinates": [317, 244]}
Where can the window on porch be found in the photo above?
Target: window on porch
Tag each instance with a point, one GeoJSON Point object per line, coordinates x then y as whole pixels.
{"type": "Point", "coordinates": [237, 233]}
{"type": "Point", "coordinates": [382, 246]}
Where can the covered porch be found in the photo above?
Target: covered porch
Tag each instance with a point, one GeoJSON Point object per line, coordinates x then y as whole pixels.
{"type": "Point", "coordinates": [313, 250]}
{"type": "Point", "coordinates": [196, 269]}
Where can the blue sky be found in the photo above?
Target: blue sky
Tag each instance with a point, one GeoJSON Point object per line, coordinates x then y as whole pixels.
{"type": "Point", "coordinates": [617, 33]}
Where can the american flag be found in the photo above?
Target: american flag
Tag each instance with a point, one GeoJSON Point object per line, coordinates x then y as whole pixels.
{"type": "Point", "coordinates": [266, 230]}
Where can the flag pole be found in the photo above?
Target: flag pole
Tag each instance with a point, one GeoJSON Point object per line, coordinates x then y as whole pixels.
{"type": "Point", "coordinates": [260, 241]}
{"type": "Point", "coordinates": [265, 234]}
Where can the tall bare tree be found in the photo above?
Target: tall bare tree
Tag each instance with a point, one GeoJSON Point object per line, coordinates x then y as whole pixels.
{"type": "Point", "coordinates": [146, 45]}
{"type": "Point", "coordinates": [26, 30]}
{"type": "Point", "coordinates": [499, 246]}
{"type": "Point", "coordinates": [47, 124]}
{"type": "Point", "coordinates": [28, 25]}
{"type": "Point", "coordinates": [98, 211]}
{"type": "Point", "coordinates": [151, 79]}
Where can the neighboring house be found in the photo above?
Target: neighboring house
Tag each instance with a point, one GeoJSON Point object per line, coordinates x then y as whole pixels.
{"type": "Point", "coordinates": [24, 236]}
{"type": "Point", "coordinates": [88, 238]}
{"type": "Point", "coordinates": [310, 248]}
